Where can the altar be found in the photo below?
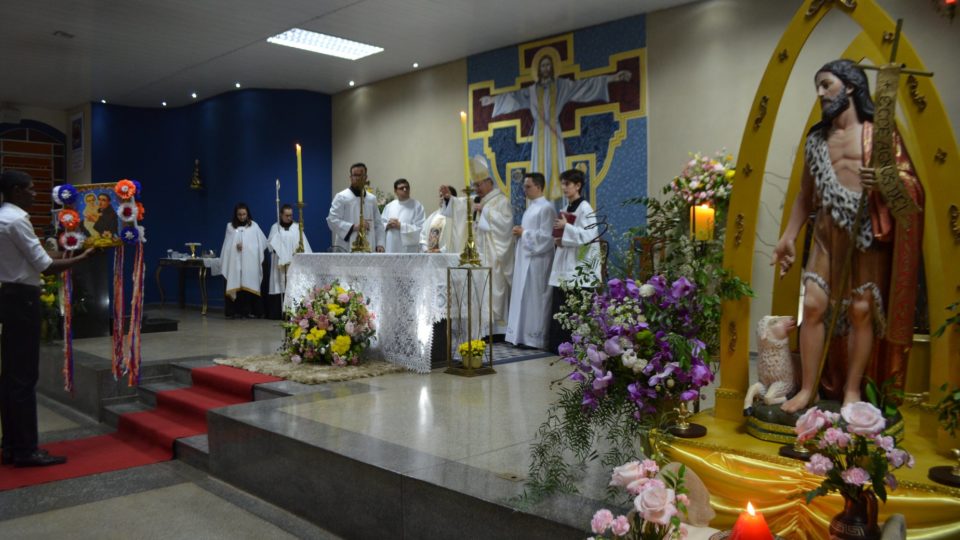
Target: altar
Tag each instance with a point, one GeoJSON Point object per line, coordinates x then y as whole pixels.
{"type": "Point", "coordinates": [407, 292]}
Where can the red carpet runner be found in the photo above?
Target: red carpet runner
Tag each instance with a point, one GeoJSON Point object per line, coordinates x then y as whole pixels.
{"type": "Point", "coordinates": [144, 437]}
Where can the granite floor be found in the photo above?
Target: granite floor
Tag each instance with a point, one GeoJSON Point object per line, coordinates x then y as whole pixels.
{"type": "Point", "coordinates": [484, 423]}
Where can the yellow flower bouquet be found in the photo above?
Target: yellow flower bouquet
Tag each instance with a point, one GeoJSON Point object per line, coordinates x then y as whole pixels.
{"type": "Point", "coordinates": [472, 352]}
{"type": "Point", "coordinates": [331, 325]}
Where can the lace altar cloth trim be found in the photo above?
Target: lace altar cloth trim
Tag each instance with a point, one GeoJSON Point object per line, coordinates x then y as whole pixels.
{"type": "Point", "coordinates": [407, 293]}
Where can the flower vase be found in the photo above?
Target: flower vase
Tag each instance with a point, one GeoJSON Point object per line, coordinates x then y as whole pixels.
{"type": "Point", "coordinates": [858, 519]}
{"type": "Point", "coordinates": [472, 361]}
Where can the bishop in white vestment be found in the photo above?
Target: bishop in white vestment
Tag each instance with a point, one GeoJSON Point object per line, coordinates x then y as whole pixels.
{"type": "Point", "coordinates": [403, 220]}
{"type": "Point", "coordinates": [494, 239]}
{"type": "Point", "coordinates": [344, 216]}
{"type": "Point", "coordinates": [242, 261]}
{"type": "Point", "coordinates": [530, 295]}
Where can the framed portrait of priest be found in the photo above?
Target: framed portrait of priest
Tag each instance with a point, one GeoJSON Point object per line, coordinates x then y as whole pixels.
{"type": "Point", "coordinates": [100, 223]}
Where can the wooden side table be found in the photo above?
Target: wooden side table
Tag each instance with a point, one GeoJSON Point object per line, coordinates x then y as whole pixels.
{"type": "Point", "coordinates": [183, 265]}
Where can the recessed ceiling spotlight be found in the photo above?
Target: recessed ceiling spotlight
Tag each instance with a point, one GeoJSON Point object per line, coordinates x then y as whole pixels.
{"type": "Point", "coordinates": [193, 95]}
{"type": "Point", "coordinates": [103, 101]}
{"type": "Point", "coordinates": [416, 65]}
{"type": "Point", "coordinates": [324, 44]}
{"type": "Point", "coordinates": [236, 84]}
{"type": "Point", "coordinates": [164, 103]}
{"type": "Point", "coordinates": [351, 83]}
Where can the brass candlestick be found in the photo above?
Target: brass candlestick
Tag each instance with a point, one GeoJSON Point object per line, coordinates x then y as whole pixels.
{"type": "Point", "coordinates": [469, 256]}
{"type": "Point", "coordinates": [360, 244]}
{"type": "Point", "coordinates": [300, 206]}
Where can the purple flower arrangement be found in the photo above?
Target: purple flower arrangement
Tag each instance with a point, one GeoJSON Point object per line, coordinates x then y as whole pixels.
{"type": "Point", "coordinates": [638, 342]}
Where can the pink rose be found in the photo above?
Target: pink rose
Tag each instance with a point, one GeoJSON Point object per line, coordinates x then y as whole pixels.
{"type": "Point", "coordinates": [620, 526]}
{"type": "Point", "coordinates": [819, 464]}
{"type": "Point", "coordinates": [601, 521]}
{"type": "Point", "coordinates": [629, 476]}
{"type": "Point", "coordinates": [656, 503]}
{"type": "Point", "coordinates": [304, 323]}
{"type": "Point", "coordinates": [649, 467]}
{"type": "Point", "coordinates": [343, 298]}
{"type": "Point", "coordinates": [810, 423]}
{"type": "Point", "coordinates": [862, 418]}
{"type": "Point", "coordinates": [855, 476]}
{"type": "Point", "coordinates": [683, 499]}
{"type": "Point", "coordinates": [296, 359]}
{"type": "Point", "coordinates": [836, 437]}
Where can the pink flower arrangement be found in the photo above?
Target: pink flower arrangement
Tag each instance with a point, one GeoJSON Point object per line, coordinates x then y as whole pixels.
{"type": "Point", "coordinates": [852, 453]}
{"type": "Point", "coordinates": [331, 325]}
{"type": "Point", "coordinates": [705, 179]}
{"type": "Point", "coordinates": [657, 504]}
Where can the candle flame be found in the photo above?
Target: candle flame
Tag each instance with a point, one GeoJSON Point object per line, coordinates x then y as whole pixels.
{"type": "Point", "coordinates": [298, 146]}
{"type": "Point", "coordinates": [463, 115]}
{"type": "Point", "coordinates": [704, 205]}
{"type": "Point", "coordinates": [750, 509]}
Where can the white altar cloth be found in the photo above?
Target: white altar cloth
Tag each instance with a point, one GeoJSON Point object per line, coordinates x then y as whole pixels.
{"type": "Point", "coordinates": [407, 292]}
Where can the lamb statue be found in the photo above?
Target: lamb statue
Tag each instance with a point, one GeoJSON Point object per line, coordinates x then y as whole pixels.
{"type": "Point", "coordinates": [775, 364]}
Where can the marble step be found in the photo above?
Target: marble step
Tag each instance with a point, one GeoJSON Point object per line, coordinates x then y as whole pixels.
{"type": "Point", "coordinates": [194, 451]}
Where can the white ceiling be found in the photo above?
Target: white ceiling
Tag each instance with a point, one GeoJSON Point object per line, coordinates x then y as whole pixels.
{"type": "Point", "coordinates": [142, 52]}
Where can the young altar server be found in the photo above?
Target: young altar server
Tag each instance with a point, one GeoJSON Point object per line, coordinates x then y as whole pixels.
{"type": "Point", "coordinates": [530, 295]}
{"type": "Point", "coordinates": [403, 220]}
{"type": "Point", "coordinates": [242, 261]}
{"type": "Point", "coordinates": [283, 242]}
{"type": "Point", "coordinates": [576, 249]}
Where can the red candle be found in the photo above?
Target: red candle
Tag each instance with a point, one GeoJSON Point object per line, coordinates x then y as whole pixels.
{"type": "Point", "coordinates": [751, 526]}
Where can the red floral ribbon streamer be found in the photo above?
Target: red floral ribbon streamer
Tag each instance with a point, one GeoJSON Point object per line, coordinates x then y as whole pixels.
{"type": "Point", "coordinates": [117, 363]}
{"type": "Point", "coordinates": [132, 361]}
{"type": "Point", "coordinates": [66, 292]}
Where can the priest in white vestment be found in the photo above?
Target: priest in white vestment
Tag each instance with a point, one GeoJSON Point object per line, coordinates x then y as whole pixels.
{"type": "Point", "coordinates": [494, 237]}
{"type": "Point", "coordinates": [283, 241]}
{"type": "Point", "coordinates": [445, 230]}
{"type": "Point", "coordinates": [577, 259]}
{"type": "Point", "coordinates": [529, 316]}
{"type": "Point", "coordinates": [403, 220]}
{"type": "Point", "coordinates": [241, 259]}
{"type": "Point", "coordinates": [344, 216]}
{"type": "Point", "coordinates": [545, 100]}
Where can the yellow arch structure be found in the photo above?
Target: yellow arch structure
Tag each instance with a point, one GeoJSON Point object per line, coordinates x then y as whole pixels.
{"type": "Point", "coordinates": [933, 147]}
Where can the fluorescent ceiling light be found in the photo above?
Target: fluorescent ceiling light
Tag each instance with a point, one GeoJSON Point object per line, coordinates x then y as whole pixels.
{"type": "Point", "coordinates": [324, 44]}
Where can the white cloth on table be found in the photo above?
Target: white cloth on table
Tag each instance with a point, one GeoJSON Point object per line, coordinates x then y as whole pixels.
{"type": "Point", "coordinates": [214, 264]}
{"type": "Point", "coordinates": [530, 295]}
{"type": "Point", "coordinates": [243, 269]}
{"type": "Point", "coordinates": [407, 293]}
{"type": "Point", "coordinates": [410, 214]}
{"type": "Point", "coordinates": [283, 243]}
{"type": "Point", "coordinates": [345, 212]}
{"type": "Point", "coordinates": [576, 250]}
{"type": "Point", "coordinates": [494, 238]}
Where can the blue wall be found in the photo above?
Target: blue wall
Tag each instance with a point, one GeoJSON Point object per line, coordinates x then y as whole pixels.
{"type": "Point", "coordinates": [244, 140]}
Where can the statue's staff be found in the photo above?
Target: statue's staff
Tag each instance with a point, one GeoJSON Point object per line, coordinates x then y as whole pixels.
{"type": "Point", "coordinates": [887, 176]}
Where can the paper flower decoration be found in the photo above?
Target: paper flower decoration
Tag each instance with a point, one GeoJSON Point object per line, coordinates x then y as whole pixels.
{"type": "Point", "coordinates": [64, 195]}
{"type": "Point", "coordinates": [130, 235]}
{"type": "Point", "coordinates": [128, 211]}
{"type": "Point", "coordinates": [139, 191]}
{"type": "Point", "coordinates": [69, 219]}
{"type": "Point", "coordinates": [71, 240]}
{"type": "Point", "coordinates": [125, 189]}
{"type": "Point", "coordinates": [140, 210]}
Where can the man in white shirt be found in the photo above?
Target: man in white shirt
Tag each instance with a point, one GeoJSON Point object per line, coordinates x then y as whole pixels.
{"type": "Point", "coordinates": [530, 293]}
{"type": "Point", "coordinates": [403, 220]}
{"type": "Point", "coordinates": [283, 241]}
{"type": "Point", "coordinates": [22, 260]}
{"type": "Point", "coordinates": [344, 216]}
{"type": "Point", "coordinates": [242, 261]}
{"type": "Point", "coordinates": [494, 222]}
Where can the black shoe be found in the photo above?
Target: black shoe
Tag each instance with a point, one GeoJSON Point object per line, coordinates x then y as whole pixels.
{"type": "Point", "coordinates": [39, 458]}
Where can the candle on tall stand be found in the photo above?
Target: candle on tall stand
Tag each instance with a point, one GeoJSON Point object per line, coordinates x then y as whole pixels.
{"type": "Point", "coordinates": [299, 198]}
{"type": "Point", "coordinates": [470, 255]}
{"type": "Point", "coordinates": [466, 150]}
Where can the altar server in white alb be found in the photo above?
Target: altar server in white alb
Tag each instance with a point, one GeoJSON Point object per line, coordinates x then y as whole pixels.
{"type": "Point", "coordinates": [403, 220]}
{"type": "Point", "coordinates": [493, 219]}
{"type": "Point", "coordinates": [344, 216]}
{"type": "Point", "coordinates": [283, 241]}
{"type": "Point", "coordinates": [530, 294]}
{"type": "Point", "coordinates": [242, 259]}
{"type": "Point", "coordinates": [577, 259]}
{"type": "Point", "coordinates": [445, 230]}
